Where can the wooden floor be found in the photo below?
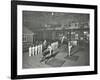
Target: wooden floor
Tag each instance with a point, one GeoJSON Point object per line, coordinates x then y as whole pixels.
{"type": "Point", "coordinates": [82, 54]}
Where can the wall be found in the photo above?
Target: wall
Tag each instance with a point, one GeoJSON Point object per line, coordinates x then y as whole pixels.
{"type": "Point", "coordinates": [27, 35]}
{"type": "Point", "coordinates": [27, 31]}
{"type": "Point", "coordinates": [36, 20]}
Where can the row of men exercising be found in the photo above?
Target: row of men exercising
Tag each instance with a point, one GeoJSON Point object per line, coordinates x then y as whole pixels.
{"type": "Point", "coordinates": [53, 54]}
{"type": "Point", "coordinates": [45, 49]}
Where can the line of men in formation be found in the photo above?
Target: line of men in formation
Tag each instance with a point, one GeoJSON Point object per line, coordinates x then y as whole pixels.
{"type": "Point", "coordinates": [38, 49]}
{"type": "Point", "coordinates": [35, 50]}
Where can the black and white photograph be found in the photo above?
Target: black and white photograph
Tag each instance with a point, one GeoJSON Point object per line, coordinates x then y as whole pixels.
{"type": "Point", "coordinates": [53, 39]}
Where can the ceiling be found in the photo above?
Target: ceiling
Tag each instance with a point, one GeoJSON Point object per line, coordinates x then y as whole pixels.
{"type": "Point", "coordinates": [36, 20]}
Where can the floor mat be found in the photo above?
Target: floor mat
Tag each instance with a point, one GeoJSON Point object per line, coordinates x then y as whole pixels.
{"type": "Point", "coordinates": [55, 62]}
{"type": "Point", "coordinates": [72, 58]}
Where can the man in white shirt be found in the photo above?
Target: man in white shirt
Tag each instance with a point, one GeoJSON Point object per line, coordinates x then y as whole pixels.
{"type": "Point", "coordinates": [33, 53]}
{"type": "Point", "coordinates": [40, 48]}
{"type": "Point", "coordinates": [36, 50]}
{"type": "Point", "coordinates": [62, 39]}
{"type": "Point", "coordinates": [50, 49]}
{"type": "Point", "coordinates": [69, 48]}
{"type": "Point", "coordinates": [30, 51]}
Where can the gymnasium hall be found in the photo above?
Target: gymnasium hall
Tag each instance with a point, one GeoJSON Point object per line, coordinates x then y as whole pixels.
{"type": "Point", "coordinates": [55, 39]}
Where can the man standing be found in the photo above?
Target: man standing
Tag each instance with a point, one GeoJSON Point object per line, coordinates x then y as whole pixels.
{"type": "Point", "coordinates": [62, 39]}
{"type": "Point", "coordinates": [69, 48]}
{"type": "Point", "coordinates": [30, 51]}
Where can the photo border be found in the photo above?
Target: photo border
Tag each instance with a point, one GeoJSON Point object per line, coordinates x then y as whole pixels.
{"type": "Point", "coordinates": [14, 39]}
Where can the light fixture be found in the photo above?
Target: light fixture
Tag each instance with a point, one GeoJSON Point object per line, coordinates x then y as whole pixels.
{"type": "Point", "coordinates": [52, 13]}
